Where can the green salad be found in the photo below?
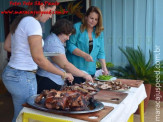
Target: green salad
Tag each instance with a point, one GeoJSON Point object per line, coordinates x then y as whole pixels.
{"type": "Point", "coordinates": [105, 77]}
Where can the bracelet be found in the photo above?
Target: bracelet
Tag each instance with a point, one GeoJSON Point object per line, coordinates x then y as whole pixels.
{"type": "Point", "coordinates": [64, 77]}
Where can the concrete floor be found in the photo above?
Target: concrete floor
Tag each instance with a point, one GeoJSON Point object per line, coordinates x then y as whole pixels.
{"type": "Point", "coordinates": [150, 114]}
{"type": "Point", "coordinates": [6, 110]}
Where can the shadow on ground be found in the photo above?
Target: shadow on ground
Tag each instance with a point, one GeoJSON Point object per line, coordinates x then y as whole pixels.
{"type": "Point", "coordinates": [6, 108]}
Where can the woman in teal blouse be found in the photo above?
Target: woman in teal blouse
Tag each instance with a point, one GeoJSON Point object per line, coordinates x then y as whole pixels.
{"type": "Point", "coordinates": [87, 46]}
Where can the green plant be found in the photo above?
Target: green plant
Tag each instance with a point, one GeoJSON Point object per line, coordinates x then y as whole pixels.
{"type": "Point", "coordinates": [138, 68]}
{"type": "Point", "coordinates": [104, 77]}
{"type": "Point", "coordinates": [108, 65]}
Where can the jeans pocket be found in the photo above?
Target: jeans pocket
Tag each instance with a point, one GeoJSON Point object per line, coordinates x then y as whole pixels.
{"type": "Point", "coordinates": [30, 76]}
{"type": "Point", "coordinates": [32, 84]}
{"type": "Point", "coordinates": [12, 76]}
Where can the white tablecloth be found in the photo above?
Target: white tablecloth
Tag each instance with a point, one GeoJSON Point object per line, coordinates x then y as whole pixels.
{"type": "Point", "coordinates": [120, 113]}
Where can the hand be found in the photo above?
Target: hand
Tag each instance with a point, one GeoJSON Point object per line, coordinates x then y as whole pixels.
{"type": "Point", "coordinates": [69, 77]}
{"type": "Point", "coordinates": [105, 71]}
{"type": "Point", "coordinates": [88, 78]}
{"type": "Point", "coordinates": [88, 58]}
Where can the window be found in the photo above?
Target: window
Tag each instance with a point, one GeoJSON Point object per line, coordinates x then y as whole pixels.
{"type": "Point", "coordinates": [72, 10]}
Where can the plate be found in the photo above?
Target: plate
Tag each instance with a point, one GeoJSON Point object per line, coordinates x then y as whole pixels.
{"type": "Point", "coordinates": [97, 106]}
{"type": "Point", "coordinates": [112, 79]}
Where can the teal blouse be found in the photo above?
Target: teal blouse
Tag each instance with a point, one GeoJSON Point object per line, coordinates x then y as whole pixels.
{"type": "Point", "coordinates": [81, 40]}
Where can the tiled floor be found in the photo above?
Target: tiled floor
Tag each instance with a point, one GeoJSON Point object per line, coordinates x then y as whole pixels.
{"type": "Point", "coordinates": [6, 110]}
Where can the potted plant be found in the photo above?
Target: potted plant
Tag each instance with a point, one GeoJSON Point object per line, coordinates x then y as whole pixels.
{"type": "Point", "coordinates": [138, 68]}
{"type": "Point", "coordinates": [108, 65]}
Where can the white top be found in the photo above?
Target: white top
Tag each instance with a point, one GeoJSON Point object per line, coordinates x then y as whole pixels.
{"type": "Point", "coordinates": [54, 45]}
{"type": "Point", "coordinates": [20, 51]}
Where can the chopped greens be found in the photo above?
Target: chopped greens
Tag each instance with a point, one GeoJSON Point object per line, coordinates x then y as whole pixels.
{"type": "Point", "coordinates": [105, 77]}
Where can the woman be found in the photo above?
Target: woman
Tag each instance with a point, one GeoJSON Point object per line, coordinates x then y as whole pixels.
{"type": "Point", "coordinates": [60, 33]}
{"type": "Point", "coordinates": [87, 46]}
{"type": "Point", "coordinates": [25, 44]}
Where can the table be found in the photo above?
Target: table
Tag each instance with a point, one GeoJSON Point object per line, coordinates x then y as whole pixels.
{"type": "Point", "coordinates": [122, 112]}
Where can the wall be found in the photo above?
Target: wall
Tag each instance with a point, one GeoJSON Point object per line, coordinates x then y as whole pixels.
{"type": "Point", "coordinates": [131, 23]}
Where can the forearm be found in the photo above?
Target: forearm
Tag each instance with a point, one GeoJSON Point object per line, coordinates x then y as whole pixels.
{"type": "Point", "coordinates": [103, 63]}
{"type": "Point", "coordinates": [73, 70]}
{"type": "Point", "coordinates": [79, 52]}
{"type": "Point", "coordinates": [82, 54]}
{"type": "Point", "coordinates": [76, 72]}
{"type": "Point", "coordinates": [45, 64]}
{"type": "Point", "coordinates": [7, 44]}
{"type": "Point", "coordinates": [38, 56]}
{"type": "Point", "coordinates": [63, 63]}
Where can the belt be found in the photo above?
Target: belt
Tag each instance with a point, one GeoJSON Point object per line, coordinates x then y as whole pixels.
{"type": "Point", "coordinates": [33, 71]}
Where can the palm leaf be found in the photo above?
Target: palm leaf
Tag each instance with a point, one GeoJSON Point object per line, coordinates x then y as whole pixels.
{"type": "Point", "coordinates": [137, 67]}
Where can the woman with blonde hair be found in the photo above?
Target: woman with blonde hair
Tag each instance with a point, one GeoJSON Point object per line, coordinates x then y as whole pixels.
{"type": "Point", "coordinates": [87, 46]}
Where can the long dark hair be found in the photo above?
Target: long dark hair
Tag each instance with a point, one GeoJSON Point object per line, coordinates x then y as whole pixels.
{"type": "Point", "coordinates": [32, 7]}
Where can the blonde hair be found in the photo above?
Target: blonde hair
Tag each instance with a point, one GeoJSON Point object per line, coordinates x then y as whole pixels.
{"type": "Point", "coordinates": [99, 26]}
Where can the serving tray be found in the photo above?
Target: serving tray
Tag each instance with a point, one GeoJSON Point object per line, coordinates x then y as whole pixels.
{"type": "Point", "coordinates": [95, 106]}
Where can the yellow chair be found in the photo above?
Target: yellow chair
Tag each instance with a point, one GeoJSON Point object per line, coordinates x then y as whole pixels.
{"type": "Point", "coordinates": [27, 116]}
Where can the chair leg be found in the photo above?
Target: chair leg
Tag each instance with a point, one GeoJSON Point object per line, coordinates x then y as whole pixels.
{"type": "Point", "coordinates": [141, 111]}
{"type": "Point", "coordinates": [131, 119]}
{"type": "Point", "coordinates": [27, 116]}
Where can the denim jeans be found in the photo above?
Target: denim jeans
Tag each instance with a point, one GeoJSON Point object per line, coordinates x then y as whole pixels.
{"type": "Point", "coordinates": [21, 85]}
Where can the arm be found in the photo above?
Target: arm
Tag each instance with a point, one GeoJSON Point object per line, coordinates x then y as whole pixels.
{"type": "Point", "coordinates": [62, 62]}
{"type": "Point", "coordinates": [7, 44]}
{"type": "Point", "coordinates": [72, 42]}
{"type": "Point", "coordinates": [101, 55]}
{"type": "Point", "coordinates": [35, 43]}
{"type": "Point", "coordinates": [103, 65]}
{"type": "Point", "coordinates": [80, 53]}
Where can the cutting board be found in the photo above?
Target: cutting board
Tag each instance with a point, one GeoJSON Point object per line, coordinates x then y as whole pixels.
{"type": "Point", "coordinates": [91, 117]}
{"type": "Point", "coordinates": [131, 83]}
{"type": "Point", "coordinates": [110, 96]}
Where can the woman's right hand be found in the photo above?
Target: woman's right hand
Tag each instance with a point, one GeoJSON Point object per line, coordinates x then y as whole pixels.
{"type": "Point", "coordinates": [88, 78]}
{"type": "Point", "coordinates": [88, 58]}
{"type": "Point", "coordinates": [69, 77]}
